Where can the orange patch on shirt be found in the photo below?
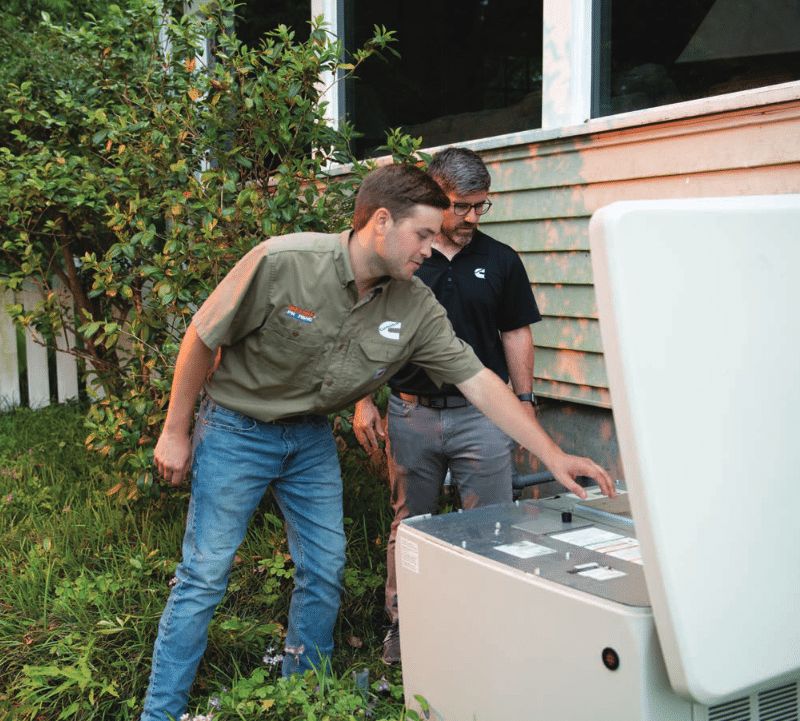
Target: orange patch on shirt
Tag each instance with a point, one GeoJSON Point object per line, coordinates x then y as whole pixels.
{"type": "Point", "coordinates": [305, 316]}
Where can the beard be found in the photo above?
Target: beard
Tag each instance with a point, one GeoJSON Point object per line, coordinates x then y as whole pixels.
{"type": "Point", "coordinates": [461, 234]}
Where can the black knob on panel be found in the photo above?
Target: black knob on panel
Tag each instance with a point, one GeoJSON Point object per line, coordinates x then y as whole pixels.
{"type": "Point", "coordinates": [610, 659]}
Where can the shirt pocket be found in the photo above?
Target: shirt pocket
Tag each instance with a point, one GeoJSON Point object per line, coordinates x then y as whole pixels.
{"type": "Point", "coordinates": [381, 360]}
{"type": "Point", "coordinates": [291, 349]}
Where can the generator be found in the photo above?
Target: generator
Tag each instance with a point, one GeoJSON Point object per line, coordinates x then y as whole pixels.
{"type": "Point", "coordinates": [680, 599]}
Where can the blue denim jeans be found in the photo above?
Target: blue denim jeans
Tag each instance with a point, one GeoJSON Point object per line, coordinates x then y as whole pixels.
{"type": "Point", "coordinates": [236, 459]}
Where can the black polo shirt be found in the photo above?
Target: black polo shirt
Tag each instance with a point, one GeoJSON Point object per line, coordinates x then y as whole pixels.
{"type": "Point", "coordinates": [485, 291]}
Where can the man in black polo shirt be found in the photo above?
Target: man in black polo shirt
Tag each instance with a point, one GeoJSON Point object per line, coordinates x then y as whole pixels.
{"type": "Point", "coordinates": [483, 286]}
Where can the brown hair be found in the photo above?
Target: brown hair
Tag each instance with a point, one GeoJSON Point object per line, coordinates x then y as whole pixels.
{"type": "Point", "coordinates": [398, 188]}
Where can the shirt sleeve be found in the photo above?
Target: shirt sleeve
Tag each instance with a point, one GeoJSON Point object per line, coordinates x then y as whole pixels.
{"type": "Point", "coordinates": [237, 306]}
{"type": "Point", "coordinates": [518, 307]}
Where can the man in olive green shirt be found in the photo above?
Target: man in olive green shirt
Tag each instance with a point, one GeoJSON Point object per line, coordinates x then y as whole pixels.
{"type": "Point", "coordinates": [320, 346]}
{"type": "Point", "coordinates": [305, 325]}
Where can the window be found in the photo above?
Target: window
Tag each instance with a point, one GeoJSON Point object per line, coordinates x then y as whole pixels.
{"type": "Point", "coordinates": [473, 69]}
{"type": "Point", "coordinates": [468, 69]}
{"type": "Point", "coordinates": [657, 52]}
{"type": "Point", "coordinates": [255, 18]}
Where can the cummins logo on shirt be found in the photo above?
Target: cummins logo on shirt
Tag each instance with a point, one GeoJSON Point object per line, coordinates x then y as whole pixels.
{"type": "Point", "coordinates": [390, 329]}
{"type": "Point", "coordinates": [480, 272]}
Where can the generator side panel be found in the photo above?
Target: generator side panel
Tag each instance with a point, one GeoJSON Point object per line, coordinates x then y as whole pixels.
{"type": "Point", "coordinates": [471, 649]}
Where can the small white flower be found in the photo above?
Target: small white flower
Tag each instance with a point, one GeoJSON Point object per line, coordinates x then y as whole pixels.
{"type": "Point", "coordinates": [271, 658]}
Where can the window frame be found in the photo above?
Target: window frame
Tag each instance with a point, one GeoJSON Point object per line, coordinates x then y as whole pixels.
{"type": "Point", "coordinates": [333, 12]}
{"type": "Point", "coordinates": [570, 54]}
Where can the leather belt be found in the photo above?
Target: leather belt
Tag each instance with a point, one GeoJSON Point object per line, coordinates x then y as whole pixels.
{"type": "Point", "coordinates": [294, 420]}
{"type": "Point", "coordinates": [434, 401]}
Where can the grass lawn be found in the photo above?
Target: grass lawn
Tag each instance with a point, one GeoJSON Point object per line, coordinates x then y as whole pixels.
{"type": "Point", "coordinates": [86, 575]}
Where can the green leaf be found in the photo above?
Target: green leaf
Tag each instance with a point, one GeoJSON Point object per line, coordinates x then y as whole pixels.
{"type": "Point", "coordinates": [69, 712]}
{"type": "Point", "coordinates": [231, 624]}
{"type": "Point", "coordinates": [91, 329]}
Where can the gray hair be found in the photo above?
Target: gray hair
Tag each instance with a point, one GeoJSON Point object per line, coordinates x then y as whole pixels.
{"type": "Point", "coordinates": [459, 170]}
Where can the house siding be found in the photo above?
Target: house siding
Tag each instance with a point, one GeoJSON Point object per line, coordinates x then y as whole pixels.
{"type": "Point", "coordinates": [544, 194]}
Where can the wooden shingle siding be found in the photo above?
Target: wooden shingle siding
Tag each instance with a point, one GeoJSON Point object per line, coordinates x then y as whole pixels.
{"type": "Point", "coordinates": [544, 194]}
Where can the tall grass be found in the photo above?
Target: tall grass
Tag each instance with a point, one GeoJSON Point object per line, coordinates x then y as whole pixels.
{"type": "Point", "coordinates": [85, 577]}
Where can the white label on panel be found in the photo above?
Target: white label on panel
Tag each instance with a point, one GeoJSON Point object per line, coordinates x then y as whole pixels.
{"type": "Point", "coordinates": [587, 537]}
{"type": "Point", "coordinates": [602, 573]}
{"type": "Point", "coordinates": [409, 555]}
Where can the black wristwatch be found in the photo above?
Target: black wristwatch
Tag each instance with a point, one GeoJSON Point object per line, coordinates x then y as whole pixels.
{"type": "Point", "coordinates": [527, 397]}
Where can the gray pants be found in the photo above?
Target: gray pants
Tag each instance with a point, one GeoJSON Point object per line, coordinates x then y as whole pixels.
{"type": "Point", "coordinates": [423, 444]}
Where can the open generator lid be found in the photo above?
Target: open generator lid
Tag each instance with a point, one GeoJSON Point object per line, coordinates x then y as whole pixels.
{"type": "Point", "coordinates": [698, 304]}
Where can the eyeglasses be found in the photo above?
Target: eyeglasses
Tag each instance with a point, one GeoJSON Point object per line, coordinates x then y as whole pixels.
{"type": "Point", "coordinates": [463, 208]}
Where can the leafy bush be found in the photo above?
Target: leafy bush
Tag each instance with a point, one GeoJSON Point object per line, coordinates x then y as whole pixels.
{"type": "Point", "coordinates": [140, 161]}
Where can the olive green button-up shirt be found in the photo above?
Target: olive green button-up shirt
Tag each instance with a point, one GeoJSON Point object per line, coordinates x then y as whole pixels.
{"type": "Point", "coordinates": [295, 337]}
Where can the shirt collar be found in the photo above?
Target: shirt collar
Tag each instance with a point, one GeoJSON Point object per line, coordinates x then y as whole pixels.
{"type": "Point", "coordinates": [345, 269]}
{"type": "Point", "coordinates": [341, 259]}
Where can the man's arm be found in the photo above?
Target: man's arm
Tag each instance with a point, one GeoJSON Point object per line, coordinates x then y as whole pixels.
{"type": "Point", "coordinates": [498, 403]}
{"type": "Point", "coordinates": [173, 454]}
{"type": "Point", "coordinates": [519, 353]}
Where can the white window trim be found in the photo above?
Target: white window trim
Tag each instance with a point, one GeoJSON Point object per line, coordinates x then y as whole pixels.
{"type": "Point", "coordinates": [566, 62]}
{"type": "Point", "coordinates": [333, 12]}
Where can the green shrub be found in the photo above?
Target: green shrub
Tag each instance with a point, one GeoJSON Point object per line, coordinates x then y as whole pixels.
{"type": "Point", "coordinates": [138, 167]}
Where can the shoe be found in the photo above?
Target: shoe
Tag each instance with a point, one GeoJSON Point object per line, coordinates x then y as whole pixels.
{"type": "Point", "coordinates": [391, 645]}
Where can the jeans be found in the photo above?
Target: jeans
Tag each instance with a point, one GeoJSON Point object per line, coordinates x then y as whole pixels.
{"type": "Point", "coordinates": [235, 459]}
{"type": "Point", "coordinates": [423, 444]}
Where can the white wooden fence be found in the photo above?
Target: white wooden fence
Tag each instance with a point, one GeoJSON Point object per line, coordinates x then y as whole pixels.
{"type": "Point", "coordinates": [39, 391]}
